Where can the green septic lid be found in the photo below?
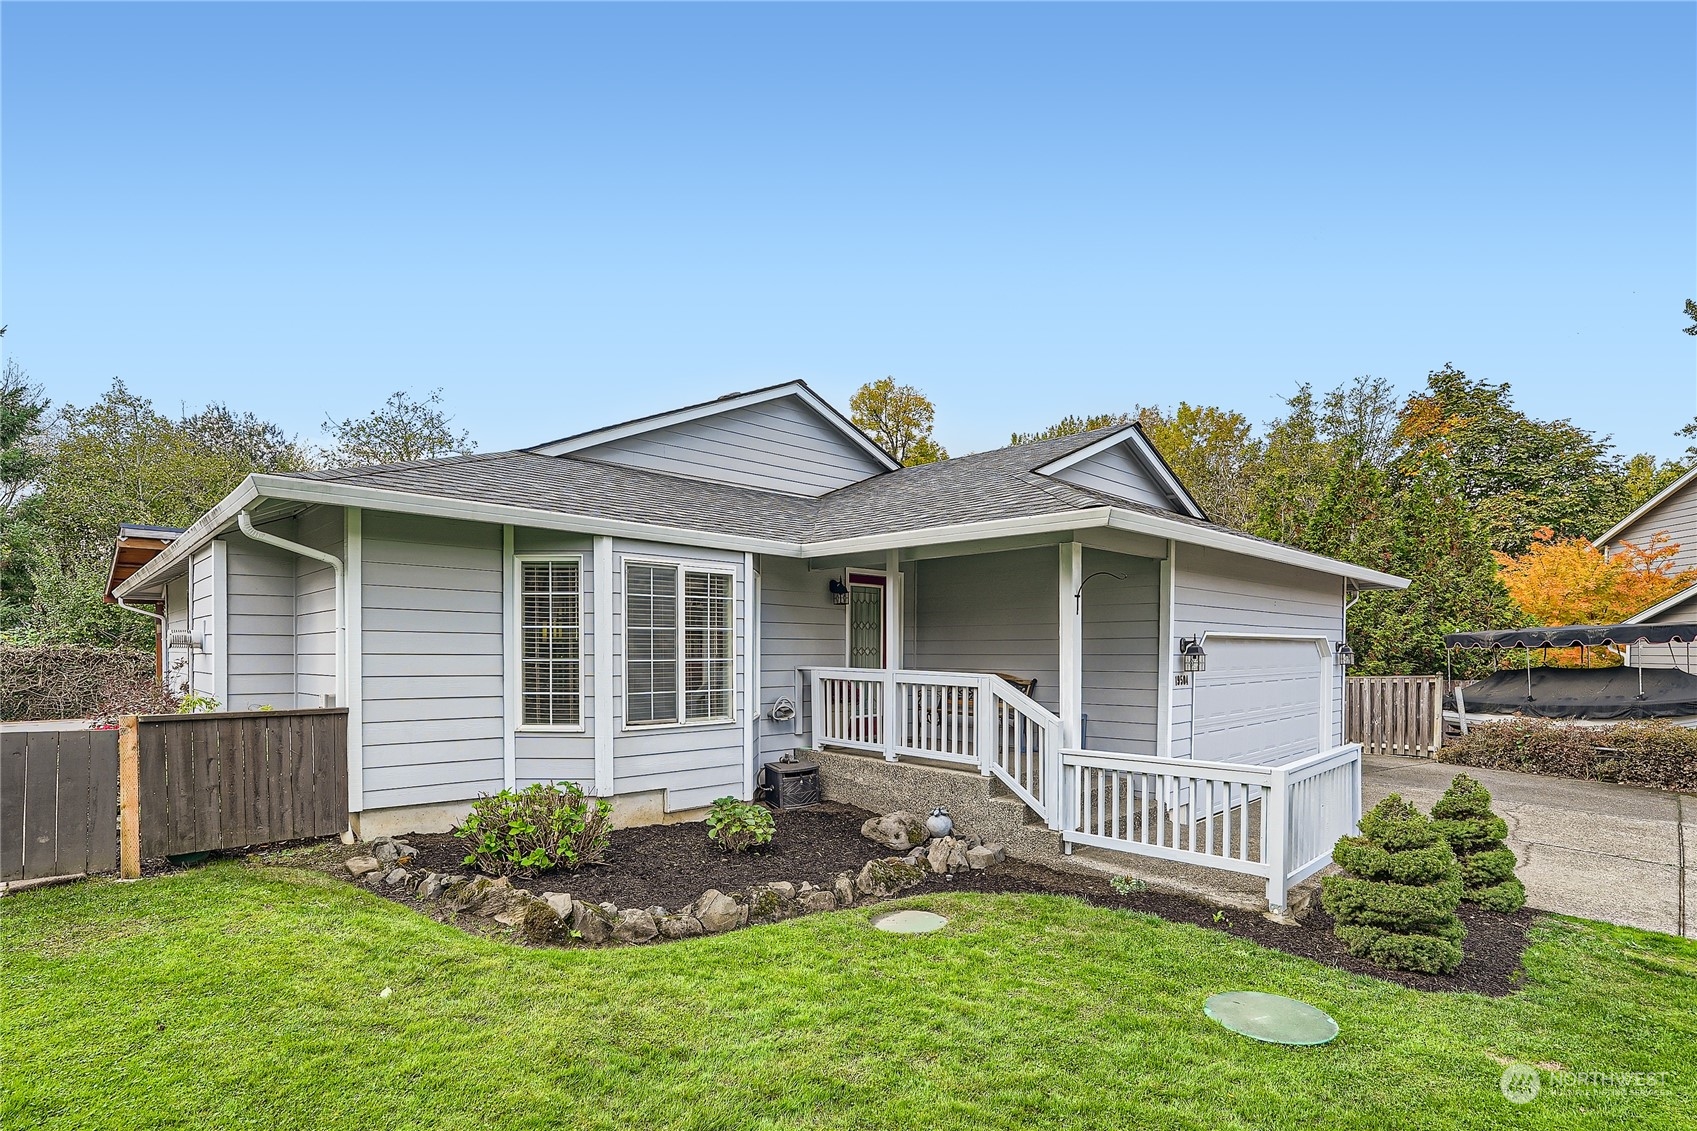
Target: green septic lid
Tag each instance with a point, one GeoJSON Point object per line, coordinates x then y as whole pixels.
{"type": "Point", "coordinates": [1269, 1017]}
{"type": "Point", "coordinates": [909, 922]}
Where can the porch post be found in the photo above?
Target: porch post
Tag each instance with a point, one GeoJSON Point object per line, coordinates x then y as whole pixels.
{"type": "Point", "coordinates": [895, 622]}
{"type": "Point", "coordinates": [1071, 644]}
{"type": "Point", "coordinates": [1164, 658]}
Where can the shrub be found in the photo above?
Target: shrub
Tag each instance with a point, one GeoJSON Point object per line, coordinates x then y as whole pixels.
{"type": "Point", "coordinates": [1463, 817]}
{"type": "Point", "coordinates": [1397, 905]}
{"type": "Point", "coordinates": [540, 828]}
{"type": "Point", "coordinates": [1651, 752]}
{"type": "Point", "coordinates": [739, 825]}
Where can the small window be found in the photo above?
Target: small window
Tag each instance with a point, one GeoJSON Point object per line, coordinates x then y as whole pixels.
{"type": "Point", "coordinates": [680, 644]}
{"type": "Point", "coordinates": [551, 638]}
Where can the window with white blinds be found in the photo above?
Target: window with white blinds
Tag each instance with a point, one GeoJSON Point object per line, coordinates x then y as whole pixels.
{"type": "Point", "coordinates": [551, 642]}
{"type": "Point", "coordinates": [680, 644]}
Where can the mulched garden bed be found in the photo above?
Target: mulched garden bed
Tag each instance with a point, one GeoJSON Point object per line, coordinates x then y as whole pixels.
{"type": "Point", "coordinates": [670, 865]}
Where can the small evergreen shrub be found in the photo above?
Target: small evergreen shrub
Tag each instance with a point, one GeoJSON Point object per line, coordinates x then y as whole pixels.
{"type": "Point", "coordinates": [739, 826]}
{"type": "Point", "coordinates": [1396, 907]}
{"type": "Point", "coordinates": [1463, 817]}
{"type": "Point", "coordinates": [540, 828]}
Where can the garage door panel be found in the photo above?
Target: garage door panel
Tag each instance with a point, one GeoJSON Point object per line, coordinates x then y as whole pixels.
{"type": "Point", "coordinates": [1259, 702]}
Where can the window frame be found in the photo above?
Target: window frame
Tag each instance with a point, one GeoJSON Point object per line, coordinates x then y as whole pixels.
{"type": "Point", "coordinates": [682, 567]}
{"type": "Point", "coordinates": [585, 687]}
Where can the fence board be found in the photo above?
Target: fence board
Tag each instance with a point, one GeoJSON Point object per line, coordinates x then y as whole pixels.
{"type": "Point", "coordinates": [102, 801]}
{"type": "Point", "coordinates": [1395, 714]}
{"type": "Point", "coordinates": [41, 809]}
{"type": "Point", "coordinates": [231, 780]}
{"type": "Point", "coordinates": [12, 746]}
{"type": "Point", "coordinates": [75, 752]}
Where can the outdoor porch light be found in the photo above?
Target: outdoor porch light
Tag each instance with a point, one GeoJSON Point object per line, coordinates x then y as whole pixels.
{"type": "Point", "coordinates": [1345, 655]}
{"type": "Point", "coordinates": [1191, 656]}
{"type": "Point", "coordinates": [839, 592]}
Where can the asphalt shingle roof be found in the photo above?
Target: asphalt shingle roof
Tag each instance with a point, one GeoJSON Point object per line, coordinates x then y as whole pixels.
{"type": "Point", "coordinates": [975, 488]}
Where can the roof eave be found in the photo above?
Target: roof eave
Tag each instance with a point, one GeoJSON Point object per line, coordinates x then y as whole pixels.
{"type": "Point", "coordinates": [1663, 606]}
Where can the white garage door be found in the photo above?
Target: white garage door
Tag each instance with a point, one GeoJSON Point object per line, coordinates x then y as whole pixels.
{"type": "Point", "coordinates": [1259, 701]}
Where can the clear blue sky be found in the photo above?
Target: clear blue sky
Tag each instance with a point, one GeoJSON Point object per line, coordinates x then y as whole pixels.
{"type": "Point", "coordinates": [571, 215]}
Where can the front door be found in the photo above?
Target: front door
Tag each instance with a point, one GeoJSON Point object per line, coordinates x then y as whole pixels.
{"type": "Point", "coordinates": [866, 621]}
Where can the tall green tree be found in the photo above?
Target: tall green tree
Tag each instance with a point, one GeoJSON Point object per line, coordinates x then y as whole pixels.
{"type": "Point", "coordinates": [23, 412]}
{"type": "Point", "coordinates": [899, 418]}
{"type": "Point", "coordinates": [1214, 453]}
{"type": "Point", "coordinates": [120, 460]}
{"type": "Point", "coordinates": [404, 429]}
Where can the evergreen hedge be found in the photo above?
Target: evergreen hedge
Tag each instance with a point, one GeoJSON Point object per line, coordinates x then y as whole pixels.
{"type": "Point", "coordinates": [1463, 817]}
{"type": "Point", "coordinates": [1396, 906]}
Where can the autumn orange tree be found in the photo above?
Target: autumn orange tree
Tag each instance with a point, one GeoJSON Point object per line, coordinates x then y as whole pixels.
{"type": "Point", "coordinates": [1570, 581]}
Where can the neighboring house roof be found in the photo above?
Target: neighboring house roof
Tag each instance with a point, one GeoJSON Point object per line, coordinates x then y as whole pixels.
{"type": "Point", "coordinates": [1655, 501]}
{"type": "Point", "coordinates": [137, 545]}
{"type": "Point", "coordinates": [1648, 615]}
{"type": "Point", "coordinates": [984, 495]}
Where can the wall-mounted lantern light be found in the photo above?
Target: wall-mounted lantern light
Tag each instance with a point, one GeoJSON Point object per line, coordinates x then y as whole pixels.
{"type": "Point", "coordinates": [839, 592]}
{"type": "Point", "coordinates": [1191, 656]}
{"type": "Point", "coordinates": [1345, 655]}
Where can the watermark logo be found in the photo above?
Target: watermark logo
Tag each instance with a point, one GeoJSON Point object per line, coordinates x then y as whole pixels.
{"type": "Point", "coordinates": [1520, 1083]}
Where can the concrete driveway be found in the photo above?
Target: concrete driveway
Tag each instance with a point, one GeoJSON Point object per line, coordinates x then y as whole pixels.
{"type": "Point", "coordinates": [1611, 852]}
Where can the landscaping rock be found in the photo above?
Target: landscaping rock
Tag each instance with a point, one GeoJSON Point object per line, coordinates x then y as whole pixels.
{"type": "Point", "coordinates": [560, 902]}
{"type": "Point", "coordinates": [843, 889]}
{"type": "Point", "coordinates": [594, 925]}
{"type": "Point", "coordinates": [816, 900]}
{"type": "Point", "coordinates": [363, 865]}
{"type": "Point", "coordinates": [635, 926]}
{"type": "Point", "coordinates": [985, 856]}
{"type": "Point", "coordinates": [680, 926]}
{"type": "Point", "coordinates": [888, 876]}
{"type": "Point", "coordinates": [769, 903]}
{"type": "Point", "coordinates": [937, 855]}
{"type": "Point", "coordinates": [483, 894]}
{"type": "Point", "coordinates": [900, 830]}
{"type": "Point", "coordinates": [396, 877]}
{"type": "Point", "coordinates": [717, 912]}
{"type": "Point", "coordinates": [432, 884]}
{"type": "Point", "coordinates": [540, 923]}
{"type": "Point", "coordinates": [384, 849]}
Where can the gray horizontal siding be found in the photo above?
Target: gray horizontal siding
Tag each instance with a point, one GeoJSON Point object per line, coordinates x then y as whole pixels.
{"type": "Point", "coordinates": [991, 613]}
{"type": "Point", "coordinates": [800, 627]}
{"type": "Point", "coordinates": [781, 445]}
{"type": "Point", "coordinates": [315, 607]}
{"type": "Point", "coordinates": [1676, 516]}
{"type": "Point", "coordinates": [1117, 471]}
{"type": "Point", "coordinates": [1121, 626]}
{"type": "Point", "coordinates": [178, 660]}
{"type": "Point", "coordinates": [202, 621]}
{"type": "Point", "coordinates": [1215, 591]}
{"type": "Point", "coordinates": [260, 622]}
{"type": "Point", "coordinates": [431, 654]}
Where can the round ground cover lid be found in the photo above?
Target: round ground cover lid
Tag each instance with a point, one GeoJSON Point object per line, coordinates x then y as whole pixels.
{"type": "Point", "coordinates": [909, 922]}
{"type": "Point", "coordinates": [1269, 1017]}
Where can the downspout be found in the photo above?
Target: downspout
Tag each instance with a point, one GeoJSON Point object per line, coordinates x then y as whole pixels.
{"type": "Point", "coordinates": [335, 563]}
{"type": "Point", "coordinates": [158, 634]}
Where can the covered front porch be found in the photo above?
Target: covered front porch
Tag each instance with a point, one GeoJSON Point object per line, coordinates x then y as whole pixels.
{"type": "Point", "coordinates": [1058, 671]}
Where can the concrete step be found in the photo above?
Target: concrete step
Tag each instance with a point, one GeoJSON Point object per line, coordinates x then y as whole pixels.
{"type": "Point", "coordinates": [983, 807]}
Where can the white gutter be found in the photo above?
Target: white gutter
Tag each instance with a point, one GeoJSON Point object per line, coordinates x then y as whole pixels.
{"type": "Point", "coordinates": [335, 563]}
{"type": "Point", "coordinates": [158, 633]}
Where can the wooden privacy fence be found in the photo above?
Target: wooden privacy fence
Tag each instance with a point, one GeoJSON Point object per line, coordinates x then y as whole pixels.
{"type": "Point", "coordinates": [198, 783]}
{"type": "Point", "coordinates": [58, 802]}
{"type": "Point", "coordinates": [1395, 714]}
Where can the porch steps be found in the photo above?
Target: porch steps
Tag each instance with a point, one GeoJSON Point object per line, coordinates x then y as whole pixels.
{"type": "Point", "coordinates": [983, 807]}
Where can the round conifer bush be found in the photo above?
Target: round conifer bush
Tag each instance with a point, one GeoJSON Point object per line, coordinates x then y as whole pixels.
{"type": "Point", "coordinates": [1396, 904]}
{"type": "Point", "coordinates": [1464, 818]}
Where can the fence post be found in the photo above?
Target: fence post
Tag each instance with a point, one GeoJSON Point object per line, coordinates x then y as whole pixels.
{"type": "Point", "coordinates": [984, 724]}
{"type": "Point", "coordinates": [1275, 829]}
{"type": "Point", "coordinates": [129, 798]}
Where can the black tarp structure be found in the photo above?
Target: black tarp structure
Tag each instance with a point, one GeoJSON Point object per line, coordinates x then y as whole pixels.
{"type": "Point", "coordinates": [1580, 693]}
{"type": "Point", "coordinates": [1575, 636]}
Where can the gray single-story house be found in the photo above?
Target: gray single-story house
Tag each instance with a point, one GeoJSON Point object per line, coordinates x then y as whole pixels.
{"type": "Point", "coordinates": [656, 608]}
{"type": "Point", "coordinates": [1671, 513]}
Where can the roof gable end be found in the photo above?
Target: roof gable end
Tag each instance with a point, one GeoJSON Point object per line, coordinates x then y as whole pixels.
{"type": "Point", "coordinates": [1124, 463]}
{"type": "Point", "coordinates": [783, 438]}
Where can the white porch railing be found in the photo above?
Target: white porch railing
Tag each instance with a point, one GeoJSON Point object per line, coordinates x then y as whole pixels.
{"type": "Point", "coordinates": [972, 719]}
{"type": "Point", "coordinates": [1279, 822]}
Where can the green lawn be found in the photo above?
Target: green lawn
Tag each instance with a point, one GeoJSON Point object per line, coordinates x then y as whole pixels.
{"type": "Point", "coordinates": [243, 996]}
